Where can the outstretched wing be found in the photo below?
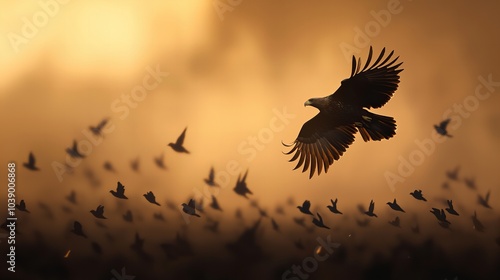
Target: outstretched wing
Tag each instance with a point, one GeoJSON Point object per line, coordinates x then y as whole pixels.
{"type": "Point", "coordinates": [372, 86]}
{"type": "Point", "coordinates": [372, 207]}
{"type": "Point", "coordinates": [320, 143]}
{"type": "Point", "coordinates": [120, 188]}
{"type": "Point", "coordinates": [180, 140]}
{"type": "Point", "coordinates": [444, 124]}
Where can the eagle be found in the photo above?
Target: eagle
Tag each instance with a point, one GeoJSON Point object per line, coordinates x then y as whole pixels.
{"type": "Point", "coordinates": [324, 138]}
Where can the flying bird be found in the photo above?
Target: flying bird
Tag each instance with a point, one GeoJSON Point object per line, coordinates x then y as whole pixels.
{"type": "Point", "coordinates": [128, 216]}
{"type": "Point", "coordinates": [453, 174]}
{"type": "Point", "coordinates": [417, 194]}
{"type": "Point", "coordinates": [73, 151]}
{"type": "Point", "coordinates": [72, 197]}
{"type": "Point", "coordinates": [31, 164]}
{"type": "Point", "coordinates": [97, 130]}
{"type": "Point", "coordinates": [440, 215]}
{"type": "Point", "coordinates": [275, 225]}
{"type": "Point", "coordinates": [215, 204]}
{"type": "Point", "coordinates": [305, 208]}
{"type": "Point", "coordinates": [134, 164]}
{"type": "Point", "coordinates": [484, 201]}
{"type": "Point", "coordinates": [120, 191]}
{"type": "Point", "coordinates": [477, 225]}
{"type": "Point", "coordinates": [394, 206]}
{"type": "Point", "coordinates": [396, 222]}
{"type": "Point", "coordinates": [370, 210]}
{"type": "Point", "coordinates": [300, 221]}
{"type": "Point", "coordinates": [177, 146]}
{"type": "Point", "coordinates": [333, 208]}
{"type": "Point", "coordinates": [279, 210]}
{"type": "Point", "coordinates": [319, 222]}
{"type": "Point", "coordinates": [470, 183]}
{"type": "Point", "coordinates": [151, 198]}
{"type": "Point", "coordinates": [99, 212]}
{"type": "Point", "coordinates": [159, 216]}
{"type": "Point", "coordinates": [22, 206]}
{"type": "Point", "coordinates": [190, 208]}
{"type": "Point", "coordinates": [78, 229]}
{"type": "Point", "coordinates": [324, 138]}
{"type": "Point", "coordinates": [450, 208]}
{"type": "Point", "coordinates": [96, 248]}
{"type": "Point", "coordinates": [160, 162]}
{"type": "Point", "coordinates": [441, 128]}
{"type": "Point", "coordinates": [212, 226]}
{"type": "Point", "coordinates": [109, 167]}
{"type": "Point", "coordinates": [210, 180]}
{"type": "Point", "coordinates": [241, 186]}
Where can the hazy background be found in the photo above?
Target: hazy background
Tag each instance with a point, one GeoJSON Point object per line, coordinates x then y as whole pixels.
{"type": "Point", "coordinates": [227, 73]}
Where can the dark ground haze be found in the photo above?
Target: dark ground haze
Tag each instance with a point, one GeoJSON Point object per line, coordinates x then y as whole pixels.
{"type": "Point", "coordinates": [236, 74]}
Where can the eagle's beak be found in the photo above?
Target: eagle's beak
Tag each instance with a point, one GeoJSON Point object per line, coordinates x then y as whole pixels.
{"type": "Point", "coordinates": [307, 103]}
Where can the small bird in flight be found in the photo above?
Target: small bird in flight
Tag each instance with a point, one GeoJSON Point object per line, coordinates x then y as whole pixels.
{"type": "Point", "coordinates": [333, 208]}
{"type": "Point", "coordinates": [215, 204]}
{"type": "Point", "coordinates": [319, 222]}
{"type": "Point", "coordinates": [31, 164]}
{"type": "Point", "coordinates": [210, 180]}
{"type": "Point", "coordinates": [177, 146]}
{"type": "Point", "coordinates": [190, 208]}
{"type": "Point", "coordinates": [241, 187]}
{"type": "Point", "coordinates": [441, 128]}
{"type": "Point", "coordinates": [453, 174]}
{"type": "Point", "coordinates": [440, 215]}
{"type": "Point", "coordinates": [305, 208]}
{"type": "Point", "coordinates": [120, 191]}
{"type": "Point", "coordinates": [417, 194]}
{"type": "Point", "coordinates": [151, 198]}
{"type": "Point", "coordinates": [396, 222]}
{"type": "Point", "coordinates": [370, 210]}
{"type": "Point", "coordinates": [99, 212]}
{"type": "Point", "coordinates": [128, 216]}
{"type": "Point", "coordinates": [477, 225]}
{"type": "Point", "coordinates": [450, 208]}
{"type": "Point", "coordinates": [324, 138]}
{"type": "Point", "coordinates": [134, 164]}
{"type": "Point", "coordinates": [394, 206]}
{"type": "Point", "coordinates": [97, 130]}
{"type": "Point", "coordinates": [78, 229]}
{"type": "Point", "coordinates": [73, 151]}
{"type": "Point", "coordinates": [22, 206]}
{"type": "Point", "coordinates": [484, 201]}
{"type": "Point", "coordinates": [160, 162]}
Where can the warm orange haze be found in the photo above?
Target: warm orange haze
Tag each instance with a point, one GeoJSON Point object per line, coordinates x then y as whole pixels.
{"type": "Point", "coordinates": [180, 100]}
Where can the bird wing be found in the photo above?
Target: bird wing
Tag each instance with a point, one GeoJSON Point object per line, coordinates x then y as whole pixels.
{"type": "Point", "coordinates": [320, 143]}
{"type": "Point", "coordinates": [320, 218]}
{"type": "Point", "coordinates": [487, 197]}
{"type": "Point", "coordinates": [373, 85]}
{"type": "Point", "coordinates": [77, 226]}
{"type": "Point", "coordinates": [372, 207]}
{"type": "Point", "coordinates": [306, 204]}
{"type": "Point", "coordinates": [180, 140]}
{"type": "Point", "coordinates": [211, 175]}
{"type": "Point", "coordinates": [120, 188]}
{"type": "Point", "coordinates": [22, 204]}
{"type": "Point", "coordinates": [191, 203]}
{"type": "Point", "coordinates": [444, 124]}
{"type": "Point", "coordinates": [31, 160]}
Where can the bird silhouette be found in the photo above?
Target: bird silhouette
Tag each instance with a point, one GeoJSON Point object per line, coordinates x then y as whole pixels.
{"type": "Point", "coordinates": [470, 183]}
{"type": "Point", "coordinates": [241, 186]}
{"type": "Point", "coordinates": [31, 164]}
{"type": "Point", "coordinates": [445, 186]}
{"type": "Point", "coordinates": [177, 146]}
{"type": "Point", "coordinates": [319, 222]}
{"type": "Point", "coordinates": [97, 130]}
{"type": "Point", "coordinates": [477, 225]}
{"type": "Point", "coordinates": [363, 223]}
{"type": "Point", "coordinates": [453, 174]}
{"type": "Point", "coordinates": [396, 222]}
{"type": "Point", "coordinates": [305, 208]}
{"type": "Point", "coordinates": [138, 243]}
{"type": "Point", "coordinates": [159, 216]}
{"type": "Point", "coordinates": [417, 194]}
{"type": "Point", "coordinates": [262, 212]}
{"type": "Point", "coordinates": [440, 215]}
{"type": "Point", "coordinates": [275, 225]}
{"type": "Point", "coordinates": [73, 151]}
{"type": "Point", "coordinates": [298, 244]}
{"type": "Point", "coordinates": [128, 216]}
{"type": "Point", "coordinates": [151, 198]}
{"type": "Point", "coordinates": [134, 164]}
{"type": "Point", "coordinates": [109, 167]}
{"type": "Point", "coordinates": [120, 191]}
{"type": "Point", "coordinates": [71, 197]}
{"type": "Point", "coordinates": [484, 201]}
{"type": "Point", "coordinates": [333, 207]}
{"type": "Point", "coordinates": [441, 128]}
{"type": "Point", "coordinates": [99, 212]}
{"type": "Point", "coordinates": [450, 208]}
{"type": "Point", "coordinates": [370, 209]}
{"type": "Point", "coordinates": [416, 228]}
{"type": "Point", "coordinates": [279, 210]}
{"type": "Point", "coordinates": [210, 180]}
{"type": "Point", "coordinates": [78, 229]}
{"type": "Point", "coordinates": [96, 248]}
{"type": "Point", "coordinates": [22, 206]}
{"type": "Point", "coordinates": [160, 161]}
{"type": "Point", "coordinates": [190, 208]}
{"type": "Point", "coordinates": [299, 221]}
{"type": "Point", "coordinates": [215, 204]}
{"type": "Point", "coordinates": [394, 206]}
{"type": "Point", "coordinates": [238, 214]}
{"type": "Point", "coordinates": [212, 226]}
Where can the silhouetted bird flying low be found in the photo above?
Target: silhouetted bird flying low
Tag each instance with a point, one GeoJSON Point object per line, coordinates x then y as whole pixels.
{"type": "Point", "coordinates": [134, 164]}
{"type": "Point", "coordinates": [300, 221]}
{"type": "Point", "coordinates": [212, 226]}
{"type": "Point", "coordinates": [441, 128]}
{"type": "Point", "coordinates": [128, 216]}
{"type": "Point", "coordinates": [319, 222]}
{"type": "Point", "coordinates": [453, 174]}
{"type": "Point", "coordinates": [108, 166]}
{"type": "Point", "coordinates": [470, 183]}
{"type": "Point", "coordinates": [241, 186]}
{"type": "Point", "coordinates": [138, 243]}
{"type": "Point", "coordinates": [396, 222]}
{"type": "Point", "coordinates": [99, 212]}
{"type": "Point", "coordinates": [305, 208]}
{"type": "Point", "coordinates": [484, 201]}
{"type": "Point", "coordinates": [210, 180]}
{"type": "Point", "coordinates": [370, 210]}
{"type": "Point", "coordinates": [73, 151]}
{"type": "Point", "coordinates": [177, 146]}
{"type": "Point", "coordinates": [440, 215]}
{"type": "Point", "coordinates": [190, 208]}
{"type": "Point", "coordinates": [279, 210]}
{"type": "Point", "coordinates": [417, 194]}
{"type": "Point", "coordinates": [324, 138]}
{"type": "Point", "coordinates": [477, 225]}
{"type": "Point", "coordinates": [159, 216]}
{"type": "Point", "coordinates": [151, 198]}
{"type": "Point", "coordinates": [450, 208]}
{"type": "Point", "coordinates": [97, 130]}
{"type": "Point", "coordinates": [72, 197]}
{"type": "Point", "coordinates": [31, 164]}
{"type": "Point", "coordinates": [22, 206]}
{"type": "Point", "coordinates": [160, 162]}
{"type": "Point", "coordinates": [333, 207]}
{"type": "Point", "coordinates": [275, 225]}
{"type": "Point", "coordinates": [78, 229]}
{"type": "Point", "coordinates": [215, 204]}
{"type": "Point", "coordinates": [394, 206]}
{"type": "Point", "coordinates": [120, 191]}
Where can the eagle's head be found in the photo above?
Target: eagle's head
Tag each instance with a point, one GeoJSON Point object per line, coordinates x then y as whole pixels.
{"type": "Point", "coordinates": [319, 103]}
